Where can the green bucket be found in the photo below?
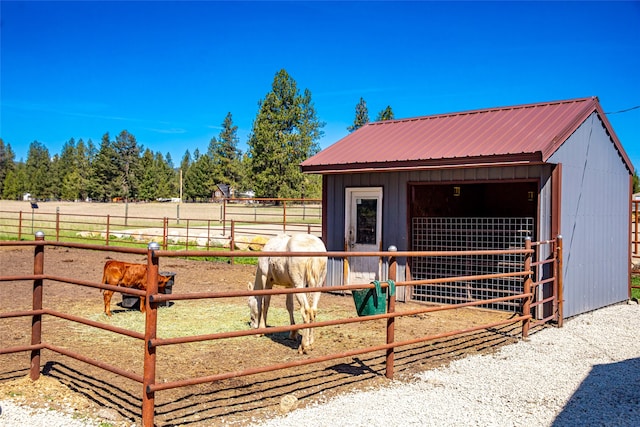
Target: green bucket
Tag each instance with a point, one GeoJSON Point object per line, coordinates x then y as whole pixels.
{"type": "Point", "coordinates": [373, 301]}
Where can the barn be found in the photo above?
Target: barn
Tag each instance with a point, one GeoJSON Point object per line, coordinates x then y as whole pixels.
{"type": "Point", "coordinates": [483, 179]}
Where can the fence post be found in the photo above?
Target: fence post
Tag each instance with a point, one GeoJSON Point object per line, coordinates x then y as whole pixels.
{"type": "Point", "coordinates": [559, 279]}
{"type": "Point", "coordinates": [20, 226]}
{"type": "Point", "coordinates": [165, 233]}
{"type": "Point", "coordinates": [36, 319]}
{"type": "Point", "coordinates": [284, 216]}
{"type": "Point", "coordinates": [224, 216]}
{"type": "Point", "coordinates": [526, 306]}
{"type": "Point", "coordinates": [391, 320]}
{"type": "Point", "coordinates": [57, 224]}
{"type": "Point", "coordinates": [150, 331]}
{"type": "Point", "coordinates": [187, 237]}
{"type": "Point", "coordinates": [232, 241]}
{"type": "Point", "coordinates": [108, 224]}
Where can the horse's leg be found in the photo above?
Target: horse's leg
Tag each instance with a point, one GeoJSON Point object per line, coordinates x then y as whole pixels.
{"type": "Point", "coordinates": [259, 284]}
{"type": "Point", "coordinates": [313, 311]}
{"type": "Point", "coordinates": [306, 318]}
{"type": "Point", "coordinates": [292, 334]}
{"type": "Point", "coordinates": [266, 300]}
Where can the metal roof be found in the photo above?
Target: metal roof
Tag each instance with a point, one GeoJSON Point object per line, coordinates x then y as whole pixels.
{"type": "Point", "coordinates": [507, 135]}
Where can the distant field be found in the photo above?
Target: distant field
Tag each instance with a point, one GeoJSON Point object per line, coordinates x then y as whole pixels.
{"type": "Point", "coordinates": [135, 222]}
{"type": "Point", "coordinates": [156, 210]}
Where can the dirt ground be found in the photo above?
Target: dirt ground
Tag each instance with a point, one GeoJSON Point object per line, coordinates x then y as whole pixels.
{"type": "Point", "coordinates": [89, 390]}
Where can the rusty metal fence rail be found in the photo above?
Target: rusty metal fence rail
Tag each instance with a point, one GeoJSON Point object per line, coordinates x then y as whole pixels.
{"type": "Point", "coordinates": [149, 381]}
{"type": "Point", "coordinates": [635, 232]}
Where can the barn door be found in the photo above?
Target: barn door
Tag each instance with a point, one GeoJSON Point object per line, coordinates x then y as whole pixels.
{"type": "Point", "coordinates": [363, 232]}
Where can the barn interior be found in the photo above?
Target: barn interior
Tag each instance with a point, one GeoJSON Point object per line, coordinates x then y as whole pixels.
{"type": "Point", "coordinates": [466, 217]}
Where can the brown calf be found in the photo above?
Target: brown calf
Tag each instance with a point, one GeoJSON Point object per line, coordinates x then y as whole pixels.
{"type": "Point", "coordinates": [128, 275]}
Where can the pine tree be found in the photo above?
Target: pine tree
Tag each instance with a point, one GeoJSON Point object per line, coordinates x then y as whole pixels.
{"type": "Point", "coordinates": [15, 183]}
{"type": "Point", "coordinates": [38, 166]}
{"type": "Point", "coordinates": [386, 114]}
{"type": "Point", "coordinates": [85, 154]}
{"type": "Point", "coordinates": [226, 155]}
{"type": "Point", "coordinates": [7, 164]}
{"type": "Point", "coordinates": [103, 184]}
{"type": "Point", "coordinates": [362, 116]}
{"type": "Point", "coordinates": [148, 181]}
{"type": "Point", "coordinates": [285, 133]}
{"type": "Point", "coordinates": [166, 184]}
{"type": "Point", "coordinates": [127, 158]}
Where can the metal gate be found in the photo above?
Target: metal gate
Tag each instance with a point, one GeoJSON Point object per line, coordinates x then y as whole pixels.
{"type": "Point", "coordinates": [468, 234]}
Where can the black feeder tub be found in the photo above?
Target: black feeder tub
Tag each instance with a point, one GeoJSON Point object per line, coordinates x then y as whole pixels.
{"type": "Point", "coordinates": [133, 301]}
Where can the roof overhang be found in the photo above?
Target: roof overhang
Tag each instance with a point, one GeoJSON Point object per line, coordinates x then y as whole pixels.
{"type": "Point", "coordinates": [521, 159]}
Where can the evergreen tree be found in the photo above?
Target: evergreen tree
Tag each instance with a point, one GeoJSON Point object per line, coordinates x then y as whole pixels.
{"type": "Point", "coordinates": [362, 116]}
{"type": "Point", "coordinates": [38, 166]}
{"type": "Point", "coordinates": [199, 184]}
{"type": "Point", "coordinates": [386, 114]}
{"type": "Point", "coordinates": [103, 184]}
{"type": "Point", "coordinates": [185, 164]}
{"type": "Point", "coordinates": [15, 182]}
{"type": "Point", "coordinates": [285, 133]}
{"type": "Point", "coordinates": [7, 164]}
{"type": "Point", "coordinates": [55, 178]}
{"type": "Point", "coordinates": [84, 160]}
{"type": "Point", "coordinates": [127, 158]}
{"type": "Point", "coordinates": [165, 177]}
{"type": "Point", "coordinates": [148, 181]}
{"type": "Point", "coordinates": [226, 155]}
{"type": "Point", "coordinates": [636, 182]}
{"type": "Point", "coordinates": [65, 166]}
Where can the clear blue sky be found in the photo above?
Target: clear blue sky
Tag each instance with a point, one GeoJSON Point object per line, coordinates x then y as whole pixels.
{"type": "Point", "coordinates": [168, 72]}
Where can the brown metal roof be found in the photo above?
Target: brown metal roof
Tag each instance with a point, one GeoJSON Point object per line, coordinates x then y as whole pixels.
{"type": "Point", "coordinates": [518, 134]}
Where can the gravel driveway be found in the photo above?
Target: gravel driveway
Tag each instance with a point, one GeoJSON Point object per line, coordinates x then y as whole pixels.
{"type": "Point", "coordinates": [585, 374]}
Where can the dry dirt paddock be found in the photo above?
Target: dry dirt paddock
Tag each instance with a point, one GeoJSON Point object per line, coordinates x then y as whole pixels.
{"type": "Point", "coordinates": [236, 401]}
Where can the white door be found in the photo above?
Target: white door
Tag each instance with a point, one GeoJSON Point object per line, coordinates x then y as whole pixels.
{"type": "Point", "coordinates": [363, 232]}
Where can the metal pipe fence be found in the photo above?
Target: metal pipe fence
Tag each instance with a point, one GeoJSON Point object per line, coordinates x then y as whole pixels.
{"type": "Point", "coordinates": [239, 223]}
{"type": "Point", "coordinates": [635, 232]}
{"type": "Point", "coordinates": [152, 384]}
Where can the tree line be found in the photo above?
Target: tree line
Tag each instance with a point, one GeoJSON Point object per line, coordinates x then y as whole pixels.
{"type": "Point", "coordinates": [285, 132]}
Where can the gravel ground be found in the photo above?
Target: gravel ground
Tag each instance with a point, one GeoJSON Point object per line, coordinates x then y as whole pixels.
{"type": "Point", "coordinates": [585, 374]}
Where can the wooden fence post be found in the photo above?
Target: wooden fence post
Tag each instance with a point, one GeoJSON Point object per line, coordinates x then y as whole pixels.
{"type": "Point", "coordinates": [36, 319]}
{"type": "Point", "coordinates": [232, 240]}
{"type": "Point", "coordinates": [284, 216]}
{"type": "Point", "coordinates": [57, 224]}
{"type": "Point", "coordinates": [108, 224]}
{"type": "Point", "coordinates": [150, 332]}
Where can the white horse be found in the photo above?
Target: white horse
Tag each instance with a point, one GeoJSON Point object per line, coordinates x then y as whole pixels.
{"type": "Point", "coordinates": [290, 272]}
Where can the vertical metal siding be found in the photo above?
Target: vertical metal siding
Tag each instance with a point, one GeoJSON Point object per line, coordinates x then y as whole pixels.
{"type": "Point", "coordinates": [395, 187]}
{"type": "Point", "coordinates": [595, 219]}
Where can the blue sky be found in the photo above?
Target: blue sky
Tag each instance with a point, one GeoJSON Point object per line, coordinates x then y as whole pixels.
{"type": "Point", "coordinates": [169, 72]}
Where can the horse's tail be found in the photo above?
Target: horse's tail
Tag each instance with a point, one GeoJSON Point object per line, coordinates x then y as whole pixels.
{"type": "Point", "coordinates": [315, 271]}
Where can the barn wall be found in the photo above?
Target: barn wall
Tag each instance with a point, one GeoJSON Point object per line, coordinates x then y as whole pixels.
{"type": "Point", "coordinates": [595, 219]}
{"type": "Point", "coordinates": [395, 187]}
